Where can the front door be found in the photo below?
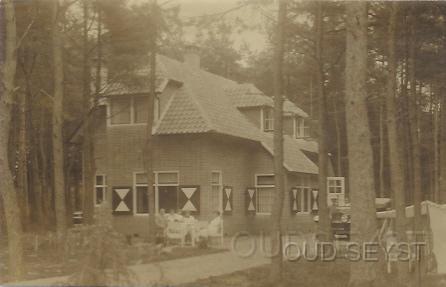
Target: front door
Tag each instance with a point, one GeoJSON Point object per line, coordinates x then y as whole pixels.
{"type": "Point", "coordinates": [168, 197]}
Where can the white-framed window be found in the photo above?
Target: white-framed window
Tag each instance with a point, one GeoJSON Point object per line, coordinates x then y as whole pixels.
{"type": "Point", "coordinates": [141, 197]}
{"type": "Point", "coordinates": [267, 119]}
{"type": "Point", "coordinates": [303, 196]}
{"type": "Point", "coordinates": [264, 184]}
{"type": "Point", "coordinates": [216, 190]}
{"type": "Point", "coordinates": [100, 189]}
{"type": "Point", "coordinates": [336, 185]}
{"type": "Point", "coordinates": [301, 128]}
{"type": "Point", "coordinates": [336, 190]}
{"type": "Point", "coordinates": [131, 110]}
{"type": "Point", "coordinates": [166, 183]}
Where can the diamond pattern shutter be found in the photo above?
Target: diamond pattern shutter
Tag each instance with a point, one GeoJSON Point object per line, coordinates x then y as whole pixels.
{"type": "Point", "coordinates": [250, 201]}
{"type": "Point", "coordinates": [122, 200]}
{"type": "Point", "coordinates": [315, 200]}
{"type": "Point", "coordinates": [227, 200]}
{"type": "Point", "coordinates": [189, 199]}
{"type": "Point", "coordinates": [293, 201]}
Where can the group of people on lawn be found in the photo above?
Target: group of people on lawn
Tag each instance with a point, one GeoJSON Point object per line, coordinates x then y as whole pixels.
{"type": "Point", "coordinates": [163, 219]}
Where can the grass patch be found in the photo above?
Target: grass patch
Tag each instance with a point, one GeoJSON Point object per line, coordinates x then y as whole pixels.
{"type": "Point", "coordinates": [305, 274]}
{"type": "Point", "coordinates": [47, 262]}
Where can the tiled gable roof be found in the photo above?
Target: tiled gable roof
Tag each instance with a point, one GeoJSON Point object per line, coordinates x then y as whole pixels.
{"type": "Point", "coordinates": [181, 116]}
{"type": "Point", "coordinates": [203, 104]}
{"type": "Point", "coordinates": [207, 91]}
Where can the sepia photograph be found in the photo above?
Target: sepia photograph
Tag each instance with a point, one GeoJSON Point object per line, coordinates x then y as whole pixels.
{"type": "Point", "coordinates": [222, 143]}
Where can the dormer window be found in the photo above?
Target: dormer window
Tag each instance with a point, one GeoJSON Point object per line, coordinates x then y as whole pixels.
{"type": "Point", "coordinates": [268, 119]}
{"type": "Point", "coordinates": [140, 109]}
{"type": "Point", "coordinates": [301, 128]}
{"type": "Point", "coordinates": [129, 110]}
{"type": "Point", "coordinates": [120, 111]}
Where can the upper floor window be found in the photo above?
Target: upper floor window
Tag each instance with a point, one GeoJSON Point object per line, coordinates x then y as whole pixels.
{"type": "Point", "coordinates": [131, 110]}
{"type": "Point", "coordinates": [140, 113]}
{"type": "Point", "coordinates": [268, 119]}
{"type": "Point", "coordinates": [120, 111]}
{"type": "Point", "coordinates": [301, 128]}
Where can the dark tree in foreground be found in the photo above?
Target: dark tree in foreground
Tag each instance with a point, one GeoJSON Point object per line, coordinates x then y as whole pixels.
{"type": "Point", "coordinates": [7, 97]}
{"type": "Point", "coordinates": [362, 186]}
{"type": "Point", "coordinates": [279, 173]}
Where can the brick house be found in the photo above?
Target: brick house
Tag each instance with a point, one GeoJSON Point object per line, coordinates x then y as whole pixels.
{"type": "Point", "coordinates": [212, 151]}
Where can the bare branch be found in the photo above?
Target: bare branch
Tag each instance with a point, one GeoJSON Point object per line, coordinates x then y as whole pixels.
{"type": "Point", "coordinates": [19, 42]}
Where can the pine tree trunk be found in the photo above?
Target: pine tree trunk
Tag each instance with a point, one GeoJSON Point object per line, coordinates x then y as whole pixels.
{"type": "Point", "coordinates": [324, 221]}
{"type": "Point", "coordinates": [361, 176]}
{"type": "Point", "coordinates": [150, 118]}
{"type": "Point", "coordinates": [43, 166]}
{"type": "Point", "coordinates": [414, 119]}
{"type": "Point", "coordinates": [381, 149]}
{"type": "Point", "coordinates": [442, 147]}
{"type": "Point", "coordinates": [35, 178]}
{"type": "Point", "coordinates": [338, 137]}
{"type": "Point", "coordinates": [22, 173]}
{"type": "Point", "coordinates": [7, 189]}
{"type": "Point", "coordinates": [88, 163]}
{"type": "Point", "coordinates": [57, 121]}
{"type": "Point", "coordinates": [279, 173]}
{"type": "Point", "coordinates": [395, 153]}
{"type": "Point", "coordinates": [436, 154]}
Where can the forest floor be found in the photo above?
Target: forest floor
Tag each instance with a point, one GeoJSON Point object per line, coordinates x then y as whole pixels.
{"type": "Point", "coordinates": [46, 261]}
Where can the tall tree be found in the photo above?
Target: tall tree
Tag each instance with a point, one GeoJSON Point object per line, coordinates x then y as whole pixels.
{"type": "Point", "coordinates": [395, 151]}
{"type": "Point", "coordinates": [58, 120]}
{"type": "Point", "coordinates": [7, 98]}
{"type": "Point", "coordinates": [361, 176]}
{"type": "Point", "coordinates": [150, 118]}
{"type": "Point", "coordinates": [279, 173]}
{"type": "Point", "coordinates": [88, 163]}
{"type": "Point", "coordinates": [324, 224]}
{"type": "Point", "coordinates": [414, 123]}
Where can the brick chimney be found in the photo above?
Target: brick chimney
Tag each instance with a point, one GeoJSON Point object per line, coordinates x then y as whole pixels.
{"type": "Point", "coordinates": [192, 56]}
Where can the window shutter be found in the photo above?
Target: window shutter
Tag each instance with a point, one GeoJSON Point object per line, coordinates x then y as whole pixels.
{"type": "Point", "coordinates": [315, 200]}
{"type": "Point", "coordinates": [122, 200]}
{"type": "Point", "coordinates": [189, 199]}
{"type": "Point", "coordinates": [250, 201]}
{"type": "Point", "coordinates": [227, 200]}
{"type": "Point", "coordinates": [293, 201]}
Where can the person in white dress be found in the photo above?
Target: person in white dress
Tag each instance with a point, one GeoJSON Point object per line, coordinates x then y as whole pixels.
{"type": "Point", "coordinates": [213, 227]}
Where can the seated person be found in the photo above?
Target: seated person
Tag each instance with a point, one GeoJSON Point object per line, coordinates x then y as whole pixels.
{"type": "Point", "coordinates": [213, 227]}
{"type": "Point", "coordinates": [174, 217]}
{"type": "Point", "coordinates": [189, 222]}
{"type": "Point", "coordinates": [179, 216]}
{"type": "Point", "coordinates": [161, 225]}
{"type": "Point", "coordinates": [188, 218]}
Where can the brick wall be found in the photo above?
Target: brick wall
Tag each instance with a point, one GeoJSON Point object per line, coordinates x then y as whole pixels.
{"type": "Point", "coordinates": [120, 153]}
